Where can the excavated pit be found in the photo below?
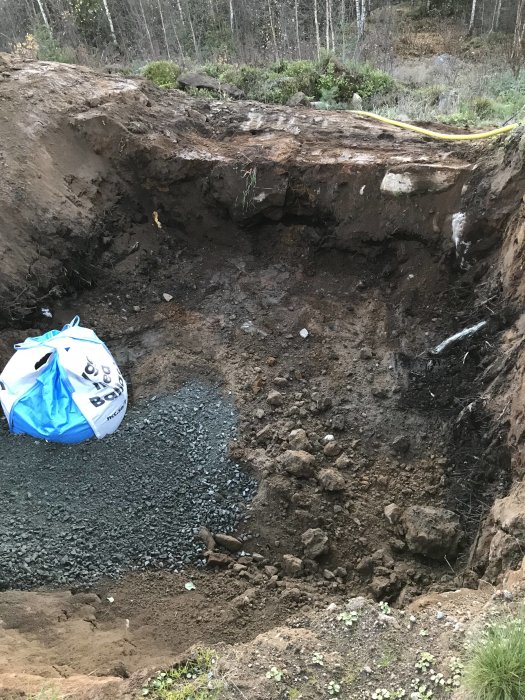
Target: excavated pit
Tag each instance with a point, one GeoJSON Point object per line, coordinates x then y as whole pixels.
{"type": "Point", "coordinates": [199, 241]}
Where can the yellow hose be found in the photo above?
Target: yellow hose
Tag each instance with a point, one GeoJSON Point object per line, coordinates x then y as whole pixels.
{"type": "Point", "coordinates": [436, 134]}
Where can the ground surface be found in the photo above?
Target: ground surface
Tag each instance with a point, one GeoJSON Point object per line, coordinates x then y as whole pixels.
{"type": "Point", "coordinates": [257, 223]}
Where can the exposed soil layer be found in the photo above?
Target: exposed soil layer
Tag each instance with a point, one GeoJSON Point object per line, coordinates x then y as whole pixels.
{"type": "Point", "coordinates": [259, 223]}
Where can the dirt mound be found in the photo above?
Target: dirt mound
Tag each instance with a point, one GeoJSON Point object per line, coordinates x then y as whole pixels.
{"type": "Point", "coordinates": [304, 261]}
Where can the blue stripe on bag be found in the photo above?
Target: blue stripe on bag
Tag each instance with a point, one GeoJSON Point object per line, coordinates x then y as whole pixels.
{"type": "Point", "coordinates": [48, 411]}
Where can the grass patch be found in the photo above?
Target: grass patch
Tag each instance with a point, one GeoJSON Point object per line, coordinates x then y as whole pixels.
{"type": "Point", "coordinates": [45, 694]}
{"type": "Point", "coordinates": [163, 73]}
{"type": "Point", "coordinates": [193, 680]}
{"type": "Point", "coordinates": [496, 669]}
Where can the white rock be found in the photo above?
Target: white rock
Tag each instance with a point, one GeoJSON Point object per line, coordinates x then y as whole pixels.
{"type": "Point", "coordinates": [304, 333]}
{"type": "Point", "coordinates": [167, 297]}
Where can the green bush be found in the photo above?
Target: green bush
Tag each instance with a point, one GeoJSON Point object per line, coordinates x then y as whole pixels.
{"type": "Point", "coordinates": [49, 49]}
{"type": "Point", "coordinates": [163, 73]}
{"type": "Point", "coordinates": [496, 670]}
{"type": "Point", "coordinates": [325, 79]}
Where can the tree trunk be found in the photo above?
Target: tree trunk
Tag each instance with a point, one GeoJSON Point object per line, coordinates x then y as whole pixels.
{"type": "Point", "coordinates": [141, 7]}
{"type": "Point", "coordinates": [317, 34]}
{"type": "Point", "coordinates": [495, 17]}
{"type": "Point", "coordinates": [43, 12]}
{"type": "Point", "coordinates": [110, 21]}
{"type": "Point", "coordinates": [194, 38]}
{"type": "Point", "coordinates": [332, 25]}
{"type": "Point", "coordinates": [231, 17]}
{"type": "Point", "coordinates": [181, 13]}
{"type": "Point", "coordinates": [164, 31]}
{"type": "Point", "coordinates": [343, 33]}
{"type": "Point", "coordinates": [472, 16]}
{"type": "Point", "coordinates": [297, 33]}
{"type": "Point", "coordinates": [327, 23]}
{"type": "Point", "coordinates": [272, 29]}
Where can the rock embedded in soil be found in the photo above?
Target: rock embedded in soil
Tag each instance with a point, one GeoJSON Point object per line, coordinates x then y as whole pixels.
{"type": "Point", "coordinates": [134, 500]}
{"type": "Point", "coordinates": [298, 463]}
{"type": "Point", "coordinates": [275, 398]}
{"type": "Point", "coordinates": [315, 543]}
{"type": "Point", "coordinates": [331, 480]}
{"type": "Point", "coordinates": [292, 566]}
{"type": "Point", "coordinates": [298, 440]}
{"type": "Point", "coordinates": [401, 444]}
{"type": "Point", "coordinates": [232, 544]}
{"type": "Point", "coordinates": [432, 532]}
{"type": "Point", "coordinates": [332, 449]}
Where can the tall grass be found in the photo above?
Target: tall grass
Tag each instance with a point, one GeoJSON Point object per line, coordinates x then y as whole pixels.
{"type": "Point", "coordinates": [496, 670]}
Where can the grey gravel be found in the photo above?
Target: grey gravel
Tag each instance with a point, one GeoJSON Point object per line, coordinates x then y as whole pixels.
{"type": "Point", "coordinates": [70, 514]}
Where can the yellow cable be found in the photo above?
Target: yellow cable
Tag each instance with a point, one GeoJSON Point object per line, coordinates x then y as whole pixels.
{"type": "Point", "coordinates": [436, 134]}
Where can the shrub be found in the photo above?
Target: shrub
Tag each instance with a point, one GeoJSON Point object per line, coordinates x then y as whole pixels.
{"type": "Point", "coordinates": [163, 73]}
{"type": "Point", "coordinates": [496, 670]}
{"type": "Point", "coordinates": [49, 49]}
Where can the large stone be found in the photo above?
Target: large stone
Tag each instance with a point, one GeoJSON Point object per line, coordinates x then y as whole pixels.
{"type": "Point", "coordinates": [433, 532]}
{"type": "Point", "coordinates": [206, 82]}
{"type": "Point", "coordinates": [315, 543]}
{"type": "Point", "coordinates": [232, 544]}
{"type": "Point", "coordinates": [292, 566]}
{"type": "Point", "coordinates": [298, 463]}
{"type": "Point", "coordinates": [419, 179]}
{"type": "Point", "coordinates": [331, 480]}
{"type": "Point", "coordinates": [299, 100]}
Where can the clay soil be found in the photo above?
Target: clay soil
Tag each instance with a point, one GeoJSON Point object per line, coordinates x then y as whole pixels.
{"type": "Point", "coordinates": [257, 226]}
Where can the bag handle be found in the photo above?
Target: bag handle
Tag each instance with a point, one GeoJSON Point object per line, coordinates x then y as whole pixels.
{"type": "Point", "coordinates": [41, 340]}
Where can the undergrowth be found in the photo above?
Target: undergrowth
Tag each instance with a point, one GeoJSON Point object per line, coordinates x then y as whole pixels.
{"type": "Point", "coordinates": [496, 670]}
{"type": "Point", "coordinates": [193, 680]}
{"type": "Point", "coordinates": [163, 73]}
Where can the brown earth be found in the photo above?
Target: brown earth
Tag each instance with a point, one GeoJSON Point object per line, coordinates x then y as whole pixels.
{"type": "Point", "coordinates": [114, 193]}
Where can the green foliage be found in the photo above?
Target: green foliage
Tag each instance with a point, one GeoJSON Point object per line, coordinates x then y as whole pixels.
{"type": "Point", "coordinates": [49, 49]}
{"type": "Point", "coordinates": [496, 670]}
{"type": "Point", "coordinates": [45, 694]}
{"type": "Point", "coordinates": [324, 80]}
{"type": "Point", "coordinates": [193, 680]}
{"type": "Point", "coordinates": [163, 73]}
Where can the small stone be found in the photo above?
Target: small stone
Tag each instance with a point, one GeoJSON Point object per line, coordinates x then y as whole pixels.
{"type": "Point", "coordinates": [332, 449]}
{"type": "Point", "coordinates": [298, 462]}
{"type": "Point", "coordinates": [365, 566]}
{"type": "Point", "coordinates": [292, 595]}
{"type": "Point", "coordinates": [167, 297]}
{"type": "Point", "coordinates": [230, 543]}
{"type": "Point", "coordinates": [271, 571]}
{"type": "Point", "coordinates": [292, 566]}
{"type": "Point", "coordinates": [259, 413]}
{"type": "Point", "coordinates": [298, 440]}
{"type": "Point", "coordinates": [271, 361]}
{"type": "Point", "coordinates": [392, 513]}
{"type": "Point", "coordinates": [315, 543]}
{"type": "Point", "coordinates": [238, 568]}
{"type": "Point", "coordinates": [365, 354]}
{"type": "Point", "coordinates": [218, 559]}
{"type": "Point", "coordinates": [136, 309]}
{"type": "Point", "coordinates": [401, 444]}
{"type": "Point", "coordinates": [304, 333]}
{"type": "Point", "coordinates": [275, 398]}
{"type": "Point", "coordinates": [280, 381]}
{"type": "Point", "coordinates": [328, 438]}
{"type": "Point", "coordinates": [331, 480]}
{"type": "Point", "coordinates": [343, 462]}
{"type": "Point", "coordinates": [246, 598]}
{"type": "Point", "coordinates": [338, 422]}
{"type": "Point", "coordinates": [328, 575]}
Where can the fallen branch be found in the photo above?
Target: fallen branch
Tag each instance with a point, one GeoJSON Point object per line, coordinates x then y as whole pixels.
{"type": "Point", "coordinates": [453, 339]}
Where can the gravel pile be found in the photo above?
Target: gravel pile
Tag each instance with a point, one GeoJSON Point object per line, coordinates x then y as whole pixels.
{"type": "Point", "coordinates": [71, 514]}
